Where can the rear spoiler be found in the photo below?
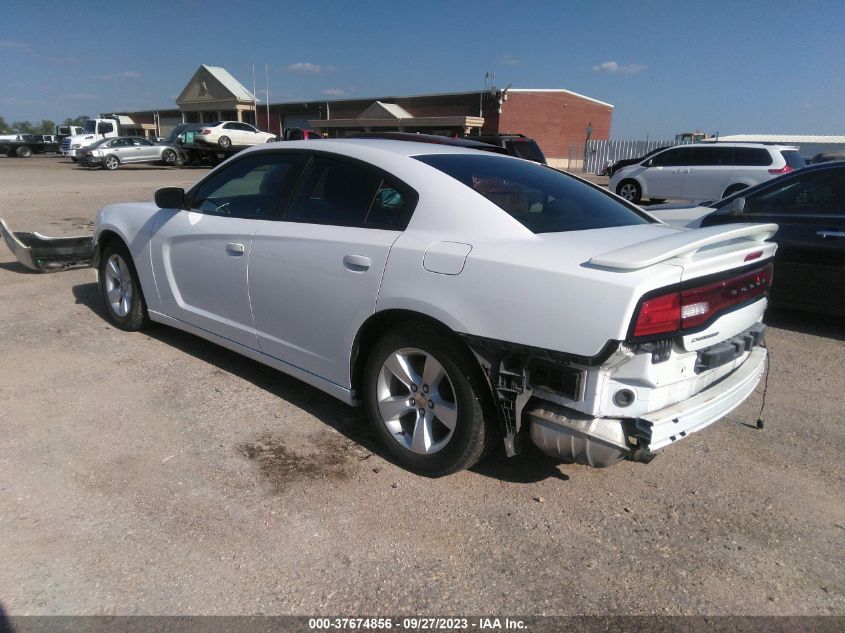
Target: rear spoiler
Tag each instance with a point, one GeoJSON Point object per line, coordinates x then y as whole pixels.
{"type": "Point", "coordinates": [683, 244]}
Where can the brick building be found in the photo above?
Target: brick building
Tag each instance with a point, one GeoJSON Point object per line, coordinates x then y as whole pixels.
{"type": "Point", "coordinates": [557, 119]}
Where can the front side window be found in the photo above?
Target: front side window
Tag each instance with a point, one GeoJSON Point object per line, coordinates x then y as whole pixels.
{"type": "Point", "coordinates": [248, 188]}
{"type": "Point", "coordinates": [672, 158]}
{"type": "Point", "coordinates": [542, 199]}
{"type": "Point", "coordinates": [142, 142]}
{"type": "Point", "coordinates": [821, 193]}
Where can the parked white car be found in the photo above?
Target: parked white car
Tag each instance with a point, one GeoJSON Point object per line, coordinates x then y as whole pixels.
{"type": "Point", "coordinates": [461, 296]}
{"type": "Point", "coordinates": [226, 134]}
{"type": "Point", "coordinates": [704, 171]}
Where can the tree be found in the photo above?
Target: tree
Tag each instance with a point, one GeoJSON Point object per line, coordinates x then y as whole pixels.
{"type": "Point", "coordinates": [23, 127]}
{"type": "Point", "coordinates": [4, 127]}
{"type": "Point", "coordinates": [45, 127]}
{"type": "Point", "coordinates": [80, 120]}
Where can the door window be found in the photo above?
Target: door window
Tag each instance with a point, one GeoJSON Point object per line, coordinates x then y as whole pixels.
{"type": "Point", "coordinates": [141, 142]}
{"type": "Point", "coordinates": [252, 187]}
{"type": "Point", "coordinates": [335, 192]}
{"type": "Point", "coordinates": [672, 158]}
{"type": "Point", "coordinates": [820, 193]}
{"type": "Point", "coordinates": [711, 156]}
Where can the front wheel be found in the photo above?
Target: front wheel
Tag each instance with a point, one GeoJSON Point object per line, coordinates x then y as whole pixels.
{"type": "Point", "coordinates": [24, 151]}
{"type": "Point", "coordinates": [426, 400]}
{"type": "Point", "coordinates": [225, 142]}
{"type": "Point", "coordinates": [630, 191]}
{"type": "Point", "coordinates": [121, 290]}
{"type": "Point", "coordinates": [111, 163]}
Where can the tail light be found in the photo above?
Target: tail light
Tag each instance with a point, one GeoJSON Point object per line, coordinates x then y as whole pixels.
{"type": "Point", "coordinates": [783, 170]}
{"type": "Point", "coordinates": [674, 312]}
{"type": "Point", "coordinates": [205, 130]}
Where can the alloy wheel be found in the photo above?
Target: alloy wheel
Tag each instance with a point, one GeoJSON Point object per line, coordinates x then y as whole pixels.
{"type": "Point", "coordinates": [118, 285]}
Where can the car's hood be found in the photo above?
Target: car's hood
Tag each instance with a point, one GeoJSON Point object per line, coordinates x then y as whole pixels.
{"type": "Point", "coordinates": [687, 216]}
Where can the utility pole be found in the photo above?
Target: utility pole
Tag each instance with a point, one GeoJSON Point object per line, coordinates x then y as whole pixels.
{"type": "Point", "coordinates": [267, 87]}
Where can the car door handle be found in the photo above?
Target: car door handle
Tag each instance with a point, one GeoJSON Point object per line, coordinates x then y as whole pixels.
{"type": "Point", "coordinates": [357, 263]}
{"type": "Point", "coordinates": [234, 248]}
{"type": "Point", "coordinates": [827, 233]}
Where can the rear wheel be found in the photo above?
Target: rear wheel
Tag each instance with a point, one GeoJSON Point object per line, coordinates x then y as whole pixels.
{"type": "Point", "coordinates": [426, 400]}
{"type": "Point", "coordinates": [168, 157]}
{"type": "Point", "coordinates": [225, 142]}
{"type": "Point", "coordinates": [111, 163]}
{"type": "Point", "coordinates": [630, 190]}
{"type": "Point", "coordinates": [121, 290]}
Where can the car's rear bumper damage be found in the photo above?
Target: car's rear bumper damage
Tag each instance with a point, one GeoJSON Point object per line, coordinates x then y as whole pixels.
{"type": "Point", "coordinates": [576, 410]}
{"type": "Point", "coordinates": [43, 254]}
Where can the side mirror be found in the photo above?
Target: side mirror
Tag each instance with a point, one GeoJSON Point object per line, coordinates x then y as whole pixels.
{"type": "Point", "coordinates": [170, 198]}
{"type": "Point", "coordinates": [736, 207]}
{"type": "Point", "coordinates": [648, 163]}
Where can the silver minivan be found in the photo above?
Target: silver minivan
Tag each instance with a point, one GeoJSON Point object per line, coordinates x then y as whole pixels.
{"type": "Point", "coordinates": [704, 171]}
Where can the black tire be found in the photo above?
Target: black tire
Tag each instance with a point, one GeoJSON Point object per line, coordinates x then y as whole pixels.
{"type": "Point", "coordinates": [111, 162]}
{"type": "Point", "coordinates": [733, 189]}
{"type": "Point", "coordinates": [169, 157]}
{"type": "Point", "coordinates": [130, 315]}
{"type": "Point", "coordinates": [657, 200]}
{"type": "Point", "coordinates": [630, 190]}
{"type": "Point", "coordinates": [74, 159]}
{"type": "Point", "coordinates": [467, 394]}
{"type": "Point", "coordinates": [24, 151]}
{"type": "Point", "coordinates": [225, 142]}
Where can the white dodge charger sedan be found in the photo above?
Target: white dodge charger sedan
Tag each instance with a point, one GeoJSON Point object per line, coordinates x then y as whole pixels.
{"type": "Point", "coordinates": [464, 298]}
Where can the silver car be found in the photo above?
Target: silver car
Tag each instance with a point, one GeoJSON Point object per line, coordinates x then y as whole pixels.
{"type": "Point", "coordinates": [111, 153]}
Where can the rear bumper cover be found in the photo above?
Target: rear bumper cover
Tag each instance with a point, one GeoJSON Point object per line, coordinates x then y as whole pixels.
{"type": "Point", "coordinates": [670, 424]}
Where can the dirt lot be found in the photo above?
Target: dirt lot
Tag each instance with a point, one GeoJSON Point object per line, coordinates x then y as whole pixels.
{"type": "Point", "coordinates": [156, 473]}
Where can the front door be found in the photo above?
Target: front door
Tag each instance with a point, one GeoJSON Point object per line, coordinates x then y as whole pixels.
{"type": "Point", "coordinates": [200, 256]}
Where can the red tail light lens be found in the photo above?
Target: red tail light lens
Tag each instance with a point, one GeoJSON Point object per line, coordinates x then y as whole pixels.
{"type": "Point", "coordinates": [685, 309]}
{"type": "Point", "coordinates": [205, 130]}
{"type": "Point", "coordinates": [658, 315]}
{"type": "Point", "coordinates": [783, 170]}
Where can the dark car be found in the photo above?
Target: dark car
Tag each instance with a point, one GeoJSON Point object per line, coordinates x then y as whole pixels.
{"type": "Point", "coordinates": [431, 138]}
{"type": "Point", "coordinates": [517, 145]}
{"type": "Point", "coordinates": [619, 164]}
{"type": "Point", "coordinates": [809, 207]}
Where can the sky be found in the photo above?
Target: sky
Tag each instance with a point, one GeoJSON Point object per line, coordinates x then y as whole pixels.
{"type": "Point", "coordinates": [736, 67]}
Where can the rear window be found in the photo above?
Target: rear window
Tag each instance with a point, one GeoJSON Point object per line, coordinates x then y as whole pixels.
{"type": "Point", "coordinates": [526, 149]}
{"type": "Point", "coordinates": [752, 157]}
{"type": "Point", "coordinates": [542, 199]}
{"type": "Point", "coordinates": [793, 159]}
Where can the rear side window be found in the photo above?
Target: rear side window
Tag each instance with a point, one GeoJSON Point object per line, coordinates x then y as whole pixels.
{"type": "Point", "coordinates": [793, 159]}
{"type": "Point", "coordinates": [542, 199]}
{"type": "Point", "coordinates": [340, 193]}
{"type": "Point", "coordinates": [711, 156]}
{"type": "Point", "coordinates": [752, 157]}
{"type": "Point", "coordinates": [821, 193]}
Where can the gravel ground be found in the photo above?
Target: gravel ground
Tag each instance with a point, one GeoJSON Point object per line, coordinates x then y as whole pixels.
{"type": "Point", "coordinates": [156, 473]}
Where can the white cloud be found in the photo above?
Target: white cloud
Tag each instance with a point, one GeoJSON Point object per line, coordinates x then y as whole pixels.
{"type": "Point", "coordinates": [14, 44]}
{"type": "Point", "coordinates": [305, 67]}
{"type": "Point", "coordinates": [124, 75]}
{"type": "Point", "coordinates": [335, 92]}
{"type": "Point", "coordinates": [616, 67]}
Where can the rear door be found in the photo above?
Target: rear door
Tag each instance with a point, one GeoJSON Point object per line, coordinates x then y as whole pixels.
{"type": "Point", "coordinates": [200, 256]}
{"type": "Point", "coordinates": [810, 211]}
{"type": "Point", "coordinates": [314, 276]}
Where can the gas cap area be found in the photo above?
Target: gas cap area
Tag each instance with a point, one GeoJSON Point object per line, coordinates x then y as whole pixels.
{"type": "Point", "coordinates": [446, 258]}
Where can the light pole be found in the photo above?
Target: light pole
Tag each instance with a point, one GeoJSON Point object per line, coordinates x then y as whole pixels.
{"type": "Point", "coordinates": [588, 132]}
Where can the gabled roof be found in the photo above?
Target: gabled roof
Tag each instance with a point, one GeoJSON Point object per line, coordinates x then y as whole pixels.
{"type": "Point", "coordinates": [379, 110]}
{"type": "Point", "coordinates": [229, 82]}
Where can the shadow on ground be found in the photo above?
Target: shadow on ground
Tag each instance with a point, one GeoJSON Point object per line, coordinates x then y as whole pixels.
{"type": "Point", "coordinates": [806, 322]}
{"type": "Point", "coordinates": [531, 466]}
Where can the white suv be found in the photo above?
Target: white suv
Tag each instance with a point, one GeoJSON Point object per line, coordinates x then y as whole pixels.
{"type": "Point", "coordinates": [704, 171]}
{"type": "Point", "coordinates": [226, 134]}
